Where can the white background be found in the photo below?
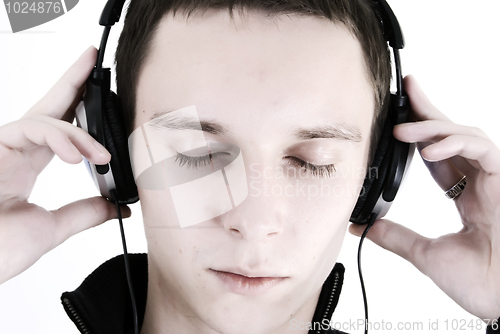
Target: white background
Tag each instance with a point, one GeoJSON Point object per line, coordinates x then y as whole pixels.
{"type": "Point", "coordinates": [452, 49]}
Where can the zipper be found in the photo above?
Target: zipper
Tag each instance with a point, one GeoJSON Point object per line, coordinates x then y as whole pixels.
{"type": "Point", "coordinates": [329, 305]}
{"type": "Point", "coordinates": [75, 317]}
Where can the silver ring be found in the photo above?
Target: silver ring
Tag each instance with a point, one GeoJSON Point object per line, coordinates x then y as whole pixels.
{"type": "Point", "coordinates": [457, 189]}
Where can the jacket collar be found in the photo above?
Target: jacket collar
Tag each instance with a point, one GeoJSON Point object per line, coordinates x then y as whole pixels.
{"type": "Point", "coordinates": [101, 304]}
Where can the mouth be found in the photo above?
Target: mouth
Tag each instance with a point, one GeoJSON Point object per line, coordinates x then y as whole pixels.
{"type": "Point", "coordinates": [247, 285]}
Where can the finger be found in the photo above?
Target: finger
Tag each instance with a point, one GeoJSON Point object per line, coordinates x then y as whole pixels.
{"type": "Point", "coordinates": [482, 153]}
{"type": "Point", "coordinates": [433, 130]}
{"type": "Point", "coordinates": [65, 140]}
{"type": "Point", "coordinates": [87, 146]}
{"type": "Point", "coordinates": [81, 215]}
{"type": "Point", "coordinates": [25, 136]}
{"type": "Point", "coordinates": [398, 239]}
{"type": "Point", "coordinates": [422, 108]}
{"type": "Point", "coordinates": [69, 115]}
{"type": "Point", "coordinates": [68, 89]}
{"type": "Point", "coordinates": [445, 172]}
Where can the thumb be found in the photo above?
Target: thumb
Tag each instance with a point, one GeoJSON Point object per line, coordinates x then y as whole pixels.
{"type": "Point", "coordinates": [397, 239]}
{"type": "Point", "coordinates": [83, 214]}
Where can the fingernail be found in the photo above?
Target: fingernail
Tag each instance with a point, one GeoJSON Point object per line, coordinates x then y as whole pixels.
{"type": "Point", "coordinates": [401, 126]}
{"type": "Point", "coordinates": [101, 148]}
{"type": "Point", "coordinates": [125, 211]}
{"type": "Point", "coordinates": [428, 159]}
{"type": "Point", "coordinates": [354, 231]}
{"type": "Point", "coordinates": [89, 48]}
{"type": "Point", "coordinates": [416, 82]}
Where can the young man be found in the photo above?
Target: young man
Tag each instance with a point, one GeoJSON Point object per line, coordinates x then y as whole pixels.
{"type": "Point", "coordinates": [267, 85]}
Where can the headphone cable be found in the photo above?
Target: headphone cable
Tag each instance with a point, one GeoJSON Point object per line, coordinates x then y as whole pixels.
{"type": "Point", "coordinates": [114, 197]}
{"type": "Point", "coordinates": [371, 221]}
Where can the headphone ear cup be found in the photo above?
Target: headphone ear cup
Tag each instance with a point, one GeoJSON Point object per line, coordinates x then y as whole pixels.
{"type": "Point", "coordinates": [116, 143]}
{"type": "Point", "coordinates": [376, 175]}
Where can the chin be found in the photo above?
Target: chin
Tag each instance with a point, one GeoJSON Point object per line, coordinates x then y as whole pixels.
{"type": "Point", "coordinates": [227, 313]}
{"type": "Point", "coordinates": [234, 322]}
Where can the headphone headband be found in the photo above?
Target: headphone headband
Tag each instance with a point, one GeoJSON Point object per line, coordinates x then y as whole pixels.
{"type": "Point", "coordinates": [390, 26]}
{"type": "Point", "coordinates": [111, 12]}
{"type": "Point", "coordinates": [392, 156]}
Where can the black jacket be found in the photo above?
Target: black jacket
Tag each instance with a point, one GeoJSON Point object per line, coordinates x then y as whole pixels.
{"type": "Point", "coordinates": [101, 304]}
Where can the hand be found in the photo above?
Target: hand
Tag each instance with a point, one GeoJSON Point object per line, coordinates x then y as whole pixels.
{"type": "Point", "coordinates": [466, 264]}
{"type": "Point", "coordinates": [28, 231]}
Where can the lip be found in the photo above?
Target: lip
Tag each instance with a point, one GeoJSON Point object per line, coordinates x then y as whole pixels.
{"type": "Point", "coordinates": [247, 285]}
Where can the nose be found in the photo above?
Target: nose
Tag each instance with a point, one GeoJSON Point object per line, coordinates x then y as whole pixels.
{"type": "Point", "coordinates": [260, 216]}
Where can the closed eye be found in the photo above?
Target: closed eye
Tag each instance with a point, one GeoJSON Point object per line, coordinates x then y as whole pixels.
{"type": "Point", "coordinates": [198, 161]}
{"type": "Point", "coordinates": [312, 169]}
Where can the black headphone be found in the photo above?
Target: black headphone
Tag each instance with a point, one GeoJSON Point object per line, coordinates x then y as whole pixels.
{"type": "Point", "coordinates": [392, 157]}
{"type": "Point", "coordinates": [99, 114]}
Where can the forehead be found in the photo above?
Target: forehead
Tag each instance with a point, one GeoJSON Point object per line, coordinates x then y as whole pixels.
{"type": "Point", "coordinates": [280, 68]}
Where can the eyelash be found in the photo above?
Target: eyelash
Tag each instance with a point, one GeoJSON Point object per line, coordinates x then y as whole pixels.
{"type": "Point", "coordinates": [314, 170]}
{"type": "Point", "coordinates": [196, 162]}
{"type": "Point", "coordinates": [203, 161]}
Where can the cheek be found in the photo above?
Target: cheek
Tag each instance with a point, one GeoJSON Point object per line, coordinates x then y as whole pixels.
{"type": "Point", "coordinates": [317, 219]}
{"type": "Point", "coordinates": [178, 258]}
{"type": "Point", "coordinates": [321, 222]}
{"type": "Point", "coordinates": [170, 248]}
{"type": "Point", "coordinates": [157, 208]}
{"type": "Point", "coordinates": [325, 200]}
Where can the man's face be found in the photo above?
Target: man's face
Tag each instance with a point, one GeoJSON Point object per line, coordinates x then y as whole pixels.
{"type": "Point", "coordinates": [286, 91]}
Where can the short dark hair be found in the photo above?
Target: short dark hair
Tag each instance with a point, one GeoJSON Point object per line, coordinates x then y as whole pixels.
{"type": "Point", "coordinates": [359, 16]}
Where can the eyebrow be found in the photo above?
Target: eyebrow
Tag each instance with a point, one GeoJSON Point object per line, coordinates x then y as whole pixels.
{"type": "Point", "coordinates": [166, 120]}
{"type": "Point", "coordinates": [339, 131]}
